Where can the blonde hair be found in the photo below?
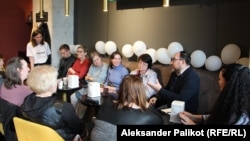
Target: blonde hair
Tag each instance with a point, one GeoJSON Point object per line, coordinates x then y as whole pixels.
{"type": "Point", "coordinates": [42, 78]}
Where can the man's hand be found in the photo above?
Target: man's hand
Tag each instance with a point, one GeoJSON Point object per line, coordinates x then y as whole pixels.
{"type": "Point", "coordinates": [156, 86]}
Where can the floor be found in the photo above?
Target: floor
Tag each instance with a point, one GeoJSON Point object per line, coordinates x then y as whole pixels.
{"type": "Point", "coordinates": [2, 137]}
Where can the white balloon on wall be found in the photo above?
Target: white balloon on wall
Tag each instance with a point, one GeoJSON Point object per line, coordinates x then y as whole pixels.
{"type": "Point", "coordinates": [213, 63]}
{"type": "Point", "coordinates": [152, 53]}
{"type": "Point", "coordinates": [110, 47]}
{"type": "Point", "coordinates": [198, 58]}
{"type": "Point", "coordinates": [139, 47]}
{"type": "Point", "coordinates": [244, 61]}
{"type": "Point", "coordinates": [127, 50]}
{"type": "Point", "coordinates": [173, 48]}
{"type": "Point", "coordinates": [162, 56]}
{"type": "Point", "coordinates": [99, 46]}
{"type": "Point", "coordinates": [230, 53]}
{"type": "Point", "coordinates": [72, 49]}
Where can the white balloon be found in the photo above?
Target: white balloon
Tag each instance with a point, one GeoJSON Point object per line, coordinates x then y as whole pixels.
{"type": "Point", "coordinates": [162, 56]}
{"type": "Point", "coordinates": [99, 46]}
{"type": "Point", "coordinates": [127, 50]}
{"type": "Point", "coordinates": [139, 47]}
{"type": "Point", "coordinates": [110, 47]}
{"type": "Point", "coordinates": [213, 63]}
{"type": "Point", "coordinates": [230, 53]}
{"type": "Point", "coordinates": [152, 53]}
{"type": "Point", "coordinates": [173, 48]}
{"type": "Point", "coordinates": [244, 61]}
{"type": "Point", "coordinates": [198, 58]}
{"type": "Point", "coordinates": [72, 49]}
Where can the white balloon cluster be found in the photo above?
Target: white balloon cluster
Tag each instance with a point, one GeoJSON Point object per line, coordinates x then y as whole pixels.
{"type": "Point", "coordinates": [109, 47]}
{"type": "Point", "coordinates": [229, 54]}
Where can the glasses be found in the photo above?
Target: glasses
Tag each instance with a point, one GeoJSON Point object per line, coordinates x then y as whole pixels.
{"type": "Point", "coordinates": [79, 51]}
{"type": "Point", "coordinates": [174, 59]}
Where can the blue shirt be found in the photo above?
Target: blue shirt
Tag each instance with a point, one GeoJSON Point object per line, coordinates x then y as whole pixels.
{"type": "Point", "coordinates": [115, 76]}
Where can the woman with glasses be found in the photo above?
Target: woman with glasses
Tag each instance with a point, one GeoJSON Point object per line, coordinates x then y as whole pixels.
{"type": "Point", "coordinates": [81, 64]}
{"type": "Point", "coordinates": [146, 73]}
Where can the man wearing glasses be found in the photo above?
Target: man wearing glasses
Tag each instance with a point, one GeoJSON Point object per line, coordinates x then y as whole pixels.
{"type": "Point", "coordinates": [183, 85]}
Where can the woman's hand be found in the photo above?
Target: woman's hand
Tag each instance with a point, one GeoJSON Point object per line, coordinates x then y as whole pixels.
{"type": "Point", "coordinates": [71, 70]}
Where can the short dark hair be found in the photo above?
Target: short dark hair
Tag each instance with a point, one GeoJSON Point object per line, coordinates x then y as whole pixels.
{"type": "Point", "coordinates": [147, 59]}
{"type": "Point", "coordinates": [64, 46]}
{"type": "Point", "coordinates": [184, 55]}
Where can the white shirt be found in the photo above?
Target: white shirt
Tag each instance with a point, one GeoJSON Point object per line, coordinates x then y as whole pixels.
{"type": "Point", "coordinates": [39, 52]}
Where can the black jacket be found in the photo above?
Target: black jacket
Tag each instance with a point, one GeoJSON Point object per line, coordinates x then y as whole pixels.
{"type": "Point", "coordinates": [7, 112]}
{"type": "Point", "coordinates": [64, 65]}
{"type": "Point", "coordinates": [58, 115]}
{"type": "Point", "coordinates": [110, 114]}
{"type": "Point", "coordinates": [185, 87]}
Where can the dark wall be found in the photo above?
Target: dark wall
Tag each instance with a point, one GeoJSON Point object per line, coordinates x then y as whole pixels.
{"type": "Point", "coordinates": [15, 31]}
{"type": "Point", "coordinates": [205, 27]}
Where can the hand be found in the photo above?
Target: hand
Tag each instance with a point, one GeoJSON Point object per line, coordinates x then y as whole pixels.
{"type": "Point", "coordinates": [185, 119]}
{"type": "Point", "coordinates": [71, 70]}
{"type": "Point", "coordinates": [189, 118]}
{"type": "Point", "coordinates": [156, 86]}
{"type": "Point", "coordinates": [89, 78]}
{"type": "Point", "coordinates": [152, 100]}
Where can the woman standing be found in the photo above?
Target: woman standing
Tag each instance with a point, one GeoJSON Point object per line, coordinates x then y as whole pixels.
{"type": "Point", "coordinates": [38, 50]}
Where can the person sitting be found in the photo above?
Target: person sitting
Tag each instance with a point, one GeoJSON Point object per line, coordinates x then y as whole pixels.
{"type": "Point", "coordinates": [116, 72]}
{"type": "Point", "coordinates": [96, 73]}
{"type": "Point", "coordinates": [81, 64]}
{"type": "Point", "coordinates": [146, 73]}
{"type": "Point", "coordinates": [131, 108]}
{"type": "Point", "coordinates": [232, 105]}
{"type": "Point", "coordinates": [183, 85]}
{"type": "Point", "coordinates": [13, 92]}
{"type": "Point", "coordinates": [66, 61]}
{"type": "Point", "coordinates": [2, 68]}
{"type": "Point", "coordinates": [42, 107]}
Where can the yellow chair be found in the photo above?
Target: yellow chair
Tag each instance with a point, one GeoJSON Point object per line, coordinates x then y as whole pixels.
{"type": "Point", "coordinates": [1, 128]}
{"type": "Point", "coordinates": [30, 131]}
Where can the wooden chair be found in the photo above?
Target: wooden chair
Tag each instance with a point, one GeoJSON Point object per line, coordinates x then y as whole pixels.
{"type": "Point", "coordinates": [30, 131]}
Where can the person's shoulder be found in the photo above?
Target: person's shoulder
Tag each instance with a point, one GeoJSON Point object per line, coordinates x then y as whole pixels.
{"type": "Point", "coordinates": [29, 44]}
{"type": "Point", "coordinates": [152, 72]}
